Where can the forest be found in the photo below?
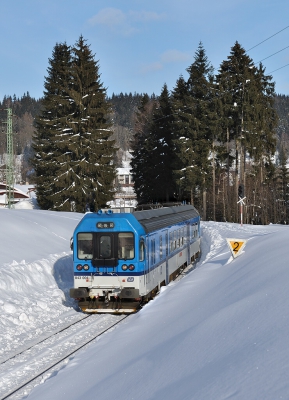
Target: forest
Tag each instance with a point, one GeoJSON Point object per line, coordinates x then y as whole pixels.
{"type": "Point", "coordinates": [225, 166]}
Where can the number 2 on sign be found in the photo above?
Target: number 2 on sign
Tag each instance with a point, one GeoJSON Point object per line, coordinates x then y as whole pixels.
{"type": "Point", "coordinates": [236, 248]}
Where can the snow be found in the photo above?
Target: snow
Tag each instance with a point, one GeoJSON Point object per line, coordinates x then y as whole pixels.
{"type": "Point", "coordinates": [220, 332]}
{"type": "Point", "coordinates": [124, 171]}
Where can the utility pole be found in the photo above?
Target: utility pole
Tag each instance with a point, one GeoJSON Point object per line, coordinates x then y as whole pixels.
{"type": "Point", "coordinates": [10, 162]}
{"type": "Point", "coordinates": [241, 195]}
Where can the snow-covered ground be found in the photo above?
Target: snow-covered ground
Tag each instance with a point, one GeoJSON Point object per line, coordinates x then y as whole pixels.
{"type": "Point", "coordinates": [219, 333]}
{"type": "Point", "coordinates": [35, 272]}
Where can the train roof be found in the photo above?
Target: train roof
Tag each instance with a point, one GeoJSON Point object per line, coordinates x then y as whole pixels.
{"type": "Point", "coordinates": [160, 218]}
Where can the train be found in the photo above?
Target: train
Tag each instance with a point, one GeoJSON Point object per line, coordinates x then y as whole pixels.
{"type": "Point", "coordinates": [122, 259]}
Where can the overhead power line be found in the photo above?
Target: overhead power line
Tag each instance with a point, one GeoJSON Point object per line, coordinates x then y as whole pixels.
{"type": "Point", "coordinates": [272, 54]}
{"type": "Point", "coordinates": [268, 38]}
{"type": "Point", "coordinates": [279, 68]}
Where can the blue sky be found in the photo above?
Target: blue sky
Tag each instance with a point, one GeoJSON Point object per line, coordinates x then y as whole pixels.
{"type": "Point", "coordinates": [140, 45]}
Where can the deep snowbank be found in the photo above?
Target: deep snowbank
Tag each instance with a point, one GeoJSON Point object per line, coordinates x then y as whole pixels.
{"type": "Point", "coordinates": [219, 333]}
{"type": "Point", "coordinates": [35, 274]}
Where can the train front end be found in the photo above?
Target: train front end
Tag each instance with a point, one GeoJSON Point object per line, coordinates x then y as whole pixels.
{"type": "Point", "coordinates": [108, 258]}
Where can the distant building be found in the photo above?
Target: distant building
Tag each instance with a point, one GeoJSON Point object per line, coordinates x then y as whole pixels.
{"type": "Point", "coordinates": [18, 194]}
{"type": "Point", "coordinates": [124, 187]}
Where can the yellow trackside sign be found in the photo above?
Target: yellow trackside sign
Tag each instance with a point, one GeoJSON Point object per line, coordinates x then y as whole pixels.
{"type": "Point", "coordinates": [236, 245]}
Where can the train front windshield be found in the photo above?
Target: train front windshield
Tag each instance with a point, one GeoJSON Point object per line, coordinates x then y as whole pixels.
{"type": "Point", "coordinates": [84, 246]}
{"type": "Point", "coordinates": [105, 245]}
{"type": "Point", "coordinates": [125, 246]}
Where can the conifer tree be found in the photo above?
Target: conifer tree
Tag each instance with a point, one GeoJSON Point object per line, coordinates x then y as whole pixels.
{"type": "Point", "coordinates": [86, 169]}
{"type": "Point", "coordinates": [79, 150]}
{"type": "Point", "coordinates": [282, 191]}
{"type": "Point", "coordinates": [195, 119]}
{"type": "Point", "coordinates": [184, 173]}
{"type": "Point", "coordinates": [141, 151]}
{"type": "Point", "coordinates": [51, 121]}
{"type": "Point", "coordinates": [248, 116]}
{"type": "Point", "coordinates": [160, 141]}
{"type": "Point", "coordinates": [261, 143]}
{"type": "Point", "coordinates": [247, 95]}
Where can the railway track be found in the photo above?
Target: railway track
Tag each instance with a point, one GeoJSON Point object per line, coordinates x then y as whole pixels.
{"type": "Point", "coordinates": [22, 371]}
{"type": "Point", "coordinates": [25, 347]}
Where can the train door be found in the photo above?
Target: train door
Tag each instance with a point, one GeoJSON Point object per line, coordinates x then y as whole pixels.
{"type": "Point", "coordinates": [188, 241]}
{"type": "Point", "coordinates": [104, 250]}
{"type": "Point", "coordinates": [147, 261]}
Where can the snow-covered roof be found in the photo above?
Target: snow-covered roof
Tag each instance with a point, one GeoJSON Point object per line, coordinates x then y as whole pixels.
{"type": "Point", "coordinates": [18, 193]}
{"type": "Point", "coordinates": [124, 171]}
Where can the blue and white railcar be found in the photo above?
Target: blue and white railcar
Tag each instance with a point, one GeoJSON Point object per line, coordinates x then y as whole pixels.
{"type": "Point", "coordinates": [122, 259]}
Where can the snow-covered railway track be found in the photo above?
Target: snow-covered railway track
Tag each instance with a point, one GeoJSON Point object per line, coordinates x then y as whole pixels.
{"type": "Point", "coordinates": [19, 374]}
{"type": "Point", "coordinates": [22, 349]}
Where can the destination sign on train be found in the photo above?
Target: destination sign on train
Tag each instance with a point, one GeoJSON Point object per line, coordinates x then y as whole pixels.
{"type": "Point", "coordinates": [105, 225]}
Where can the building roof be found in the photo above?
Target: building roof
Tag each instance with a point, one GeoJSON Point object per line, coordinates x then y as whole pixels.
{"type": "Point", "coordinates": [18, 194]}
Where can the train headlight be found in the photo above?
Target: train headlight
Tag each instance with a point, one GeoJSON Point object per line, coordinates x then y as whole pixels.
{"type": "Point", "coordinates": [131, 267]}
{"type": "Point", "coordinates": [86, 267]}
{"type": "Point", "coordinates": [79, 267]}
{"type": "Point", "coordinates": [124, 267]}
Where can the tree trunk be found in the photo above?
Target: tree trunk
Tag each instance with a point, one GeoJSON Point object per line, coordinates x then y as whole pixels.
{"type": "Point", "coordinates": [214, 185]}
{"type": "Point", "coordinates": [204, 205]}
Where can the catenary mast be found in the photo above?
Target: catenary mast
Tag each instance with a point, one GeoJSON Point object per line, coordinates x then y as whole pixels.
{"type": "Point", "coordinates": [9, 163]}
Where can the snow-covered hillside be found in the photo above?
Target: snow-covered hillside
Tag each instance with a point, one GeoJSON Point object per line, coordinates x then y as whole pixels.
{"type": "Point", "coordinates": [35, 273]}
{"type": "Point", "coordinates": [220, 332]}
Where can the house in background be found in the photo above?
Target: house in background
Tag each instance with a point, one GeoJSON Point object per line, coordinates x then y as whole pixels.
{"type": "Point", "coordinates": [124, 187]}
{"type": "Point", "coordinates": [18, 194]}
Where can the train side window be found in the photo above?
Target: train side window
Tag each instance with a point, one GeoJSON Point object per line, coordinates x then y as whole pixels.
{"type": "Point", "coordinates": [141, 250]}
{"type": "Point", "coordinates": [161, 247]}
{"type": "Point", "coordinates": [171, 242]}
{"type": "Point", "coordinates": [84, 246]}
{"type": "Point", "coordinates": [126, 246]}
{"type": "Point", "coordinates": [153, 251]}
{"type": "Point", "coordinates": [166, 244]}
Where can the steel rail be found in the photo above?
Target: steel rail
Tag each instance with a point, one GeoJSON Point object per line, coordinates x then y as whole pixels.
{"type": "Point", "coordinates": [46, 369]}
{"type": "Point", "coordinates": [43, 340]}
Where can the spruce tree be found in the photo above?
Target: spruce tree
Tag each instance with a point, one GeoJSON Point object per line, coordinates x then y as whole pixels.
{"type": "Point", "coordinates": [141, 151]}
{"type": "Point", "coordinates": [248, 115]}
{"type": "Point", "coordinates": [194, 128]}
{"type": "Point", "coordinates": [86, 170]}
{"type": "Point", "coordinates": [160, 141]}
{"type": "Point", "coordinates": [261, 145]}
{"type": "Point", "coordinates": [51, 121]}
{"type": "Point", "coordinates": [247, 95]}
{"type": "Point", "coordinates": [183, 164]}
{"type": "Point", "coordinates": [77, 141]}
{"type": "Point", "coordinates": [282, 188]}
